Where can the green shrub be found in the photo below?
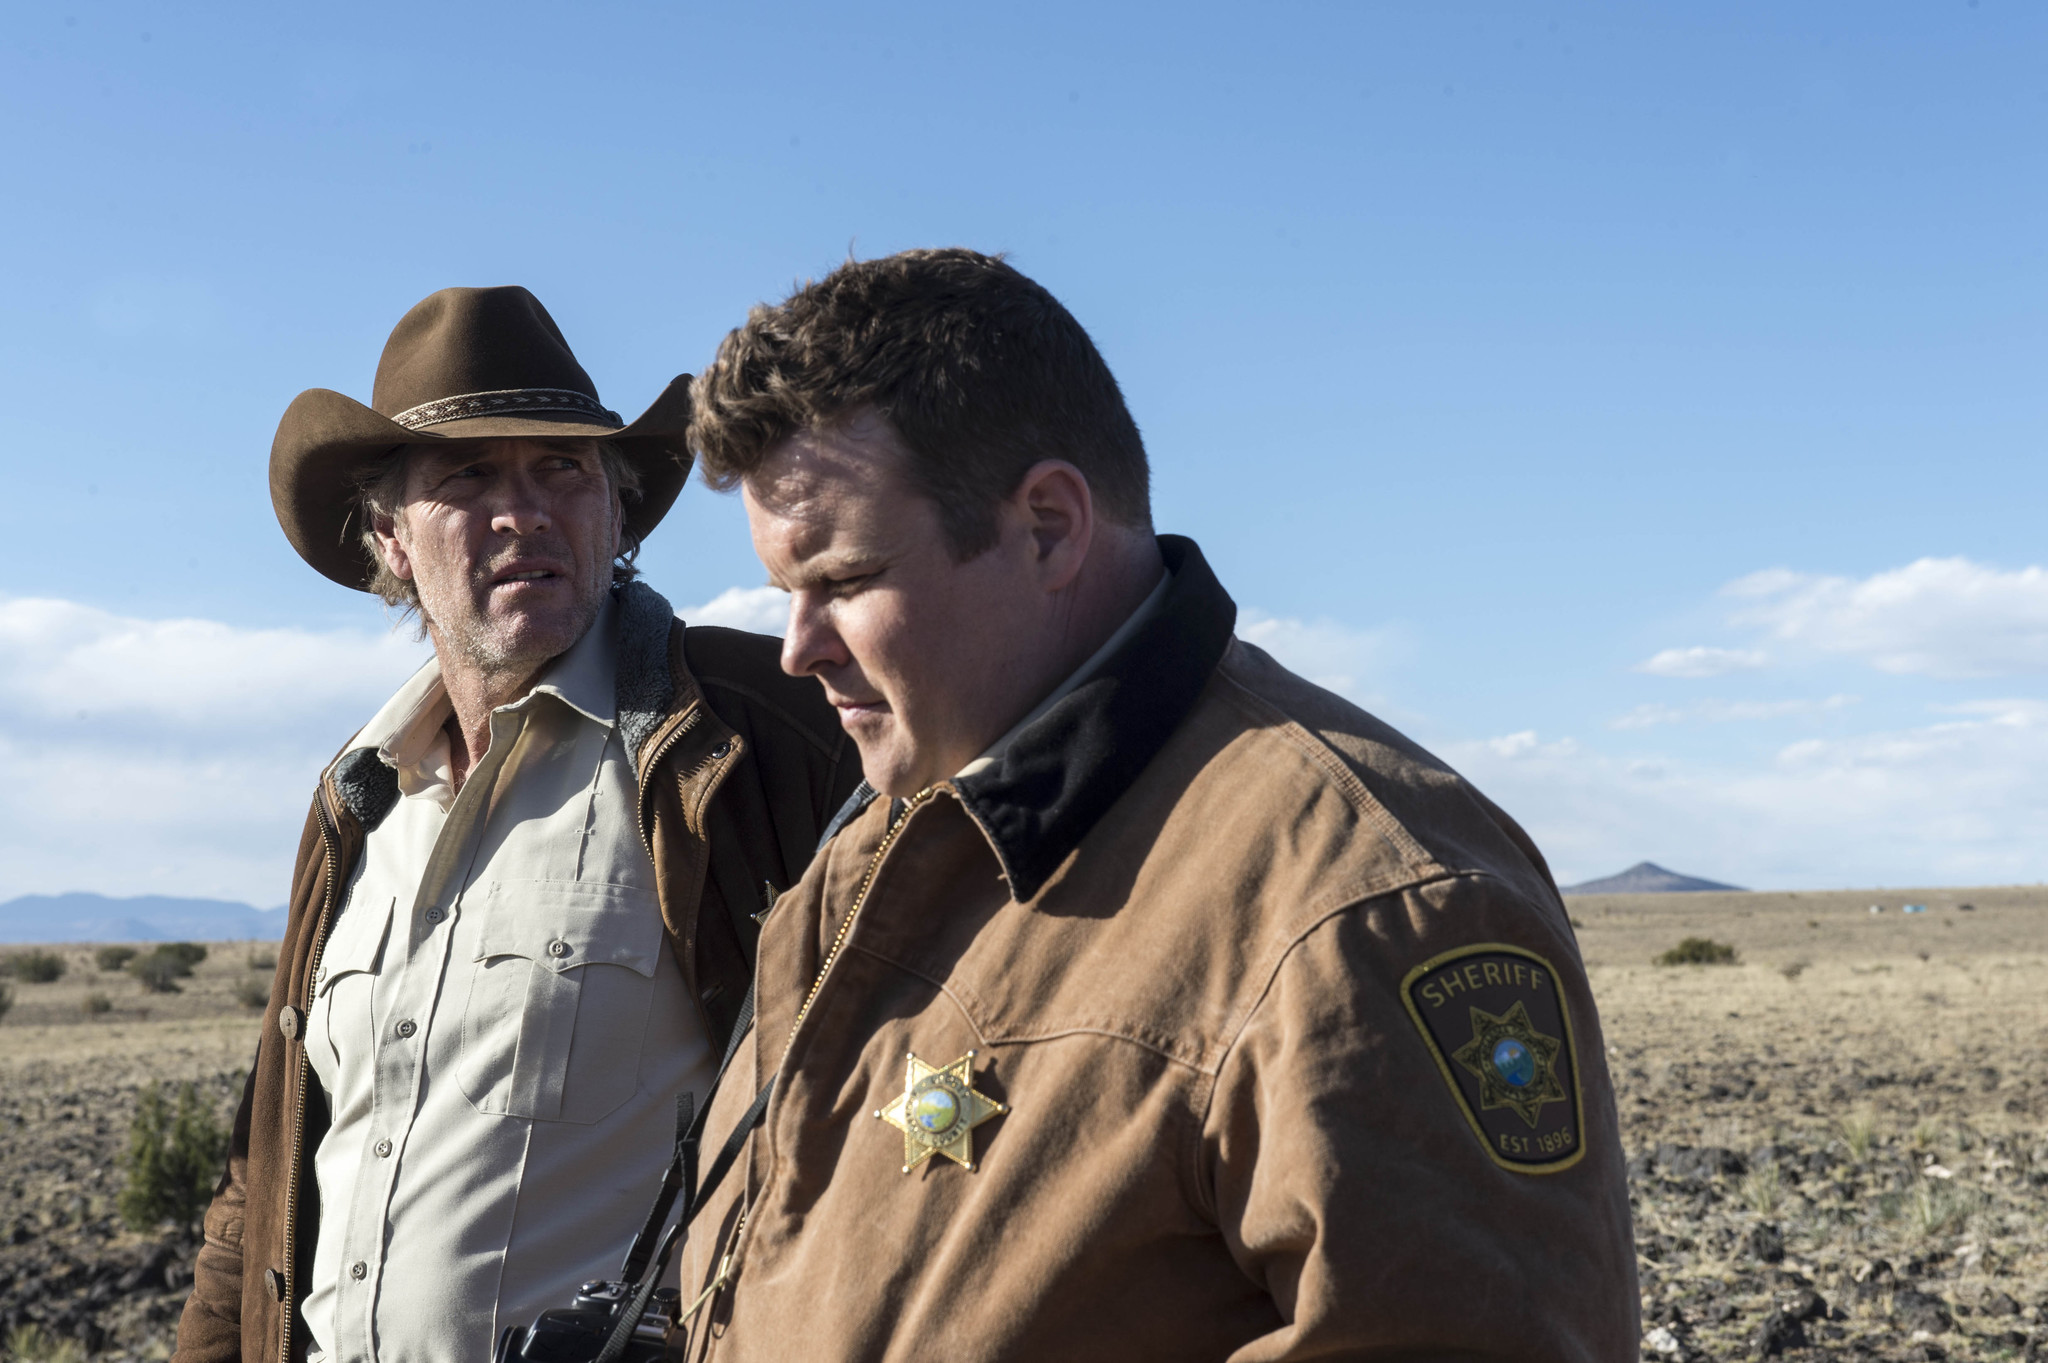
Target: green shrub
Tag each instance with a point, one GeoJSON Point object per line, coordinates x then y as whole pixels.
{"type": "Point", "coordinates": [262, 960]}
{"type": "Point", "coordinates": [1699, 951]}
{"type": "Point", "coordinates": [33, 1344]}
{"type": "Point", "coordinates": [173, 1160]}
{"type": "Point", "coordinates": [251, 994]}
{"type": "Point", "coordinates": [191, 953]}
{"type": "Point", "coordinates": [36, 967]}
{"type": "Point", "coordinates": [162, 968]}
{"type": "Point", "coordinates": [95, 1004]}
{"type": "Point", "coordinates": [113, 958]}
{"type": "Point", "coordinates": [6, 999]}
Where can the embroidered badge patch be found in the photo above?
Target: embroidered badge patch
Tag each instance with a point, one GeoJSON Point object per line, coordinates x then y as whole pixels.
{"type": "Point", "coordinates": [1499, 1027]}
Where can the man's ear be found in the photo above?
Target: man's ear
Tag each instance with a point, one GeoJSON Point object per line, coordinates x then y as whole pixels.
{"type": "Point", "coordinates": [392, 549]}
{"type": "Point", "coordinates": [1058, 511]}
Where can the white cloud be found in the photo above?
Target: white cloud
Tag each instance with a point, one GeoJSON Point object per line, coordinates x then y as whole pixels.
{"type": "Point", "coordinates": [1959, 800]}
{"type": "Point", "coordinates": [1937, 617]}
{"type": "Point", "coordinates": [170, 756]}
{"type": "Point", "coordinates": [1337, 657]}
{"type": "Point", "coordinates": [1701, 662]}
{"type": "Point", "coordinates": [764, 610]}
{"type": "Point", "coordinates": [60, 659]}
{"type": "Point", "coordinates": [1723, 712]}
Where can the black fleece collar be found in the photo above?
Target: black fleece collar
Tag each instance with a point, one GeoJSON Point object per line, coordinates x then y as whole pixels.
{"type": "Point", "coordinates": [1061, 775]}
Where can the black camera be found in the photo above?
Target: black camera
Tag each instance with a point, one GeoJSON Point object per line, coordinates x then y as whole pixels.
{"type": "Point", "coordinates": [577, 1333]}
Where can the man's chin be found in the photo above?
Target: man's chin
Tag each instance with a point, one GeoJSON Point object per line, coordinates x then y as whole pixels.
{"type": "Point", "coordinates": [502, 638]}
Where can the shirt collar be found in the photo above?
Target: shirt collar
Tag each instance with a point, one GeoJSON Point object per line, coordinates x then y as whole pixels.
{"type": "Point", "coordinates": [409, 733]}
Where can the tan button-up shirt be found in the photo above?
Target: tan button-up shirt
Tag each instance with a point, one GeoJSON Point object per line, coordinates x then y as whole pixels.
{"type": "Point", "coordinates": [499, 1026]}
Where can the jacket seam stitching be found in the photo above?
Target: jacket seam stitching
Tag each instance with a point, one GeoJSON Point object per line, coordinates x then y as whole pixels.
{"type": "Point", "coordinates": [1389, 829]}
{"type": "Point", "coordinates": [1265, 992]}
{"type": "Point", "coordinates": [982, 1033]}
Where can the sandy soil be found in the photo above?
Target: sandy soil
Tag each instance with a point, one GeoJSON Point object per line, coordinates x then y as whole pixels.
{"type": "Point", "coordinates": [1838, 1145]}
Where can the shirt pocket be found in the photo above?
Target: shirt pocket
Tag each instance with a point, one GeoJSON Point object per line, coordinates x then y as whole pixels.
{"type": "Point", "coordinates": [342, 1017]}
{"type": "Point", "coordinates": [560, 986]}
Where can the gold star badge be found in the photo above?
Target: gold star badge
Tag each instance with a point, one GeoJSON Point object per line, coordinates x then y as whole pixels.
{"type": "Point", "coordinates": [1516, 1065]}
{"type": "Point", "coordinates": [938, 1112]}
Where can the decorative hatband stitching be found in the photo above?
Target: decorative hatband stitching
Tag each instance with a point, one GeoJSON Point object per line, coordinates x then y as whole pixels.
{"type": "Point", "coordinates": [502, 401]}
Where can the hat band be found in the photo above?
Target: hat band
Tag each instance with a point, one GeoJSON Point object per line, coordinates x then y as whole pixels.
{"type": "Point", "coordinates": [504, 401]}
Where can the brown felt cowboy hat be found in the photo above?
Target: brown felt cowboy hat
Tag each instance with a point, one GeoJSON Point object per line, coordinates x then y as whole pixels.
{"type": "Point", "coordinates": [464, 364]}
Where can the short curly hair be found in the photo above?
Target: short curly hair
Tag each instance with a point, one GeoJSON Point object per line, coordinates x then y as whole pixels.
{"type": "Point", "coordinates": [980, 371]}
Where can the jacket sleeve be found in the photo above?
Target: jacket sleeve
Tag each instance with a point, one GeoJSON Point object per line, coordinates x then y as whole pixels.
{"type": "Point", "coordinates": [1350, 1183]}
{"type": "Point", "coordinates": [210, 1329]}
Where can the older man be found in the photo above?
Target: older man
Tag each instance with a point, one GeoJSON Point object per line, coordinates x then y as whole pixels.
{"type": "Point", "coordinates": [522, 919]}
{"type": "Point", "coordinates": [1158, 1004]}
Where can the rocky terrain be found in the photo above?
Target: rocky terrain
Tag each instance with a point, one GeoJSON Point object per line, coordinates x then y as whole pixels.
{"type": "Point", "coordinates": [1838, 1146]}
{"type": "Point", "coordinates": [74, 1281]}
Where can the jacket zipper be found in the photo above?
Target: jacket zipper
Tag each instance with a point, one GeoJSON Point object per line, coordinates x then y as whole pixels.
{"type": "Point", "coordinates": [654, 756]}
{"type": "Point", "coordinates": [730, 1262]}
{"type": "Point", "coordinates": [330, 839]}
{"type": "Point", "coordinates": [860, 900]}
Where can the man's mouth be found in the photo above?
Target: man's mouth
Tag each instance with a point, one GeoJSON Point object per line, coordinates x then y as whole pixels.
{"type": "Point", "coordinates": [517, 575]}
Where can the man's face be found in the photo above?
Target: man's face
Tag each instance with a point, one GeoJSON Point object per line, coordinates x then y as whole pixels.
{"type": "Point", "coordinates": [921, 655]}
{"type": "Point", "coordinates": [510, 544]}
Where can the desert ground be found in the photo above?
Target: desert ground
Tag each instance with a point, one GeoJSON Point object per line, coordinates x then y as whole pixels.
{"type": "Point", "coordinates": [1837, 1143]}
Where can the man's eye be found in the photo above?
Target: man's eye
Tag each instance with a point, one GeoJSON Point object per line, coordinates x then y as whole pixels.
{"type": "Point", "coordinates": [847, 586]}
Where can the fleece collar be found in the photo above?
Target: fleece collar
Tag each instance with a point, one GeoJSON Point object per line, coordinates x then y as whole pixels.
{"type": "Point", "coordinates": [1061, 773]}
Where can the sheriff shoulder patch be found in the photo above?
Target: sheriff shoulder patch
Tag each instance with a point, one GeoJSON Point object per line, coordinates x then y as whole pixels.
{"type": "Point", "coordinates": [1497, 1023]}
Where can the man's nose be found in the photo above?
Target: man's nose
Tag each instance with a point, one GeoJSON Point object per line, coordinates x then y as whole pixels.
{"type": "Point", "coordinates": [811, 643]}
{"type": "Point", "coordinates": [522, 506]}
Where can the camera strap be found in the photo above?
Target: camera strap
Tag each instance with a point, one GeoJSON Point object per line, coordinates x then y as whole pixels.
{"type": "Point", "coordinates": [645, 1262]}
{"type": "Point", "coordinates": [681, 1173]}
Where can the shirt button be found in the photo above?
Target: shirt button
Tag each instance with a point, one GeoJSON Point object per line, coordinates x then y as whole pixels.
{"type": "Point", "coordinates": [383, 1149]}
{"type": "Point", "coordinates": [435, 915]}
{"type": "Point", "coordinates": [406, 1029]}
{"type": "Point", "coordinates": [359, 1270]}
{"type": "Point", "coordinates": [559, 948]}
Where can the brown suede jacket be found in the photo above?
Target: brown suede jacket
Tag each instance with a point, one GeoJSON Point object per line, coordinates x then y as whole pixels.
{"type": "Point", "coordinates": [740, 768]}
{"type": "Point", "coordinates": [1216, 1021]}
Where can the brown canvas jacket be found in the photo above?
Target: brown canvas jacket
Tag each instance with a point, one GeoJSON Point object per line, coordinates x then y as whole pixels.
{"type": "Point", "coordinates": [1219, 941]}
{"type": "Point", "coordinates": [740, 767]}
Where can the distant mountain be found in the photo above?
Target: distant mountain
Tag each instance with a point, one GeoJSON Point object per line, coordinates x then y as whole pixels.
{"type": "Point", "coordinates": [146, 918]}
{"type": "Point", "coordinates": [1647, 877]}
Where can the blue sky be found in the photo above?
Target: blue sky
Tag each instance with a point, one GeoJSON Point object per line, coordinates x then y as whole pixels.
{"type": "Point", "coordinates": [1492, 352]}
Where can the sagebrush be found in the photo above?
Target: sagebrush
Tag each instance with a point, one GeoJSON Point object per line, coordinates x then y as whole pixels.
{"type": "Point", "coordinates": [174, 1159]}
{"type": "Point", "coordinates": [1699, 951]}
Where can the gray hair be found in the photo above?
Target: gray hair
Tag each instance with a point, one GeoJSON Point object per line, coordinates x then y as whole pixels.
{"type": "Point", "coordinates": [380, 496]}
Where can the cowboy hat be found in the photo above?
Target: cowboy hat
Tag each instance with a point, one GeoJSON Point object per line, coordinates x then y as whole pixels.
{"type": "Point", "coordinates": [464, 364]}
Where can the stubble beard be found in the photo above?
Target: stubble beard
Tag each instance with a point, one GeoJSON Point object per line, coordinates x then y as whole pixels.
{"type": "Point", "coordinates": [505, 650]}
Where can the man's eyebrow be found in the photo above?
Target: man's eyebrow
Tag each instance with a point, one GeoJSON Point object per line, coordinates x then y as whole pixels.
{"type": "Point", "coordinates": [821, 569]}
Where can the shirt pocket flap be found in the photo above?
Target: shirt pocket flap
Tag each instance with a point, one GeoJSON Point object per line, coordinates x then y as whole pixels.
{"type": "Point", "coordinates": [354, 946]}
{"type": "Point", "coordinates": [564, 924]}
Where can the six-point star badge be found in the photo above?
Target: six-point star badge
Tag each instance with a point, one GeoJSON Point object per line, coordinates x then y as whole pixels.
{"type": "Point", "coordinates": [1516, 1065]}
{"type": "Point", "coordinates": [938, 1112]}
